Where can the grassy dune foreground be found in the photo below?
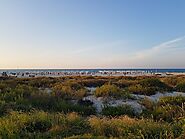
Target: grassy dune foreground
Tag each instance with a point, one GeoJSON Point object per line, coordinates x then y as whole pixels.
{"type": "Point", "coordinates": [65, 107]}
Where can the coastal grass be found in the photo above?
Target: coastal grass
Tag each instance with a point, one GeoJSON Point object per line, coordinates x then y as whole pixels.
{"type": "Point", "coordinates": [27, 110]}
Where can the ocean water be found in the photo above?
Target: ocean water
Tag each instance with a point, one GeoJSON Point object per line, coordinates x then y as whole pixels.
{"type": "Point", "coordinates": [92, 70]}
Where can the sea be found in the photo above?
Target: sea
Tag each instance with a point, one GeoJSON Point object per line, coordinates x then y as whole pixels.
{"type": "Point", "coordinates": [92, 70]}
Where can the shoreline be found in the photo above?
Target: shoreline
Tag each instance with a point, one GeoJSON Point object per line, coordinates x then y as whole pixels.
{"type": "Point", "coordinates": [104, 73]}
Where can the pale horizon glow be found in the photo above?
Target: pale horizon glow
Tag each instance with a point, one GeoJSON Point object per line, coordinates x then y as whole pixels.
{"type": "Point", "coordinates": [70, 34]}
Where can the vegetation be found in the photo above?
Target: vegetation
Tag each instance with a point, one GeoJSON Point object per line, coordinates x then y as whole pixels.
{"type": "Point", "coordinates": [167, 108]}
{"type": "Point", "coordinates": [111, 90]}
{"type": "Point", "coordinates": [118, 111]}
{"type": "Point", "coordinates": [107, 90]}
{"type": "Point", "coordinates": [149, 86]}
{"type": "Point", "coordinates": [181, 86]}
{"type": "Point", "coordinates": [55, 108]}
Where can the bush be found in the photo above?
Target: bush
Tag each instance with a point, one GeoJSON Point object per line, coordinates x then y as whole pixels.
{"type": "Point", "coordinates": [125, 127]}
{"type": "Point", "coordinates": [139, 89]}
{"type": "Point", "coordinates": [147, 103]}
{"type": "Point", "coordinates": [85, 102]}
{"type": "Point", "coordinates": [38, 126]}
{"type": "Point", "coordinates": [118, 110]}
{"type": "Point", "coordinates": [86, 136]}
{"type": "Point", "coordinates": [171, 81]}
{"type": "Point", "coordinates": [125, 83]}
{"type": "Point", "coordinates": [41, 82]}
{"type": "Point", "coordinates": [181, 86]}
{"type": "Point", "coordinates": [28, 112]}
{"type": "Point", "coordinates": [108, 90]}
{"type": "Point", "coordinates": [52, 104]}
{"type": "Point", "coordinates": [167, 108]}
{"type": "Point", "coordinates": [69, 125]}
{"type": "Point", "coordinates": [3, 87]}
{"type": "Point", "coordinates": [93, 82]}
{"type": "Point", "coordinates": [149, 86]}
{"type": "Point", "coordinates": [69, 91]}
{"type": "Point", "coordinates": [19, 92]}
{"type": "Point", "coordinates": [168, 112]}
{"type": "Point", "coordinates": [173, 100]}
{"type": "Point", "coordinates": [152, 82]}
{"type": "Point", "coordinates": [62, 91]}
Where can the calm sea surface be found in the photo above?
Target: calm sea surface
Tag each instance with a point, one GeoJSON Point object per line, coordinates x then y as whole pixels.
{"type": "Point", "coordinates": [91, 70]}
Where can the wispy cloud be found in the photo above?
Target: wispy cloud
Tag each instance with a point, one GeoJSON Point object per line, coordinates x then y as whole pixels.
{"type": "Point", "coordinates": [169, 54]}
{"type": "Point", "coordinates": [170, 44]}
{"type": "Point", "coordinates": [173, 45]}
{"type": "Point", "coordinates": [166, 54]}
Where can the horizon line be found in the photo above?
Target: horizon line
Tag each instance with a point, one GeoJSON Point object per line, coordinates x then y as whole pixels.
{"type": "Point", "coordinates": [83, 68]}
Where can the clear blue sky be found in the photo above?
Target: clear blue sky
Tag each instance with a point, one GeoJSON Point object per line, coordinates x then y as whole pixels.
{"type": "Point", "coordinates": [92, 33]}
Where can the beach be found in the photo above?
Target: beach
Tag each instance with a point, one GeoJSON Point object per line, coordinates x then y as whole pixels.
{"type": "Point", "coordinates": [89, 72]}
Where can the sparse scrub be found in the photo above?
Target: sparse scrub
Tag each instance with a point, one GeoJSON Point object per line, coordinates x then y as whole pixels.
{"type": "Point", "coordinates": [27, 111]}
{"type": "Point", "coordinates": [149, 86]}
{"type": "Point", "coordinates": [181, 86]}
{"type": "Point", "coordinates": [118, 111]}
{"type": "Point", "coordinates": [109, 90]}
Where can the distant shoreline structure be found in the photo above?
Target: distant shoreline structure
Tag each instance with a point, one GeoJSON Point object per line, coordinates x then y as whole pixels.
{"type": "Point", "coordinates": [23, 73]}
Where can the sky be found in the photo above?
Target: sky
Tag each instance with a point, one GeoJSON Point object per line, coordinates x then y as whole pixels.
{"type": "Point", "coordinates": [62, 34]}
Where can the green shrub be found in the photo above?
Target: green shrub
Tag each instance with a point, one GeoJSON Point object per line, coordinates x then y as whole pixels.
{"type": "Point", "coordinates": [69, 125]}
{"type": "Point", "coordinates": [147, 103]}
{"type": "Point", "coordinates": [108, 90]}
{"type": "Point", "coordinates": [28, 112]}
{"type": "Point", "coordinates": [118, 110]}
{"type": "Point", "coordinates": [171, 81]}
{"type": "Point", "coordinates": [168, 112]}
{"type": "Point", "coordinates": [152, 82]}
{"type": "Point", "coordinates": [13, 124]}
{"type": "Point", "coordinates": [125, 83]}
{"type": "Point", "coordinates": [93, 82]}
{"type": "Point", "coordinates": [72, 91]}
{"type": "Point", "coordinates": [149, 86]}
{"type": "Point", "coordinates": [41, 82]}
{"type": "Point", "coordinates": [86, 136]}
{"type": "Point", "coordinates": [139, 89]}
{"type": "Point", "coordinates": [38, 126]}
{"type": "Point", "coordinates": [167, 108]}
{"type": "Point", "coordinates": [181, 86]}
{"type": "Point", "coordinates": [125, 127]}
{"type": "Point", "coordinates": [52, 104]}
{"type": "Point", "coordinates": [19, 92]}
{"type": "Point", "coordinates": [3, 87]}
{"type": "Point", "coordinates": [173, 100]}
